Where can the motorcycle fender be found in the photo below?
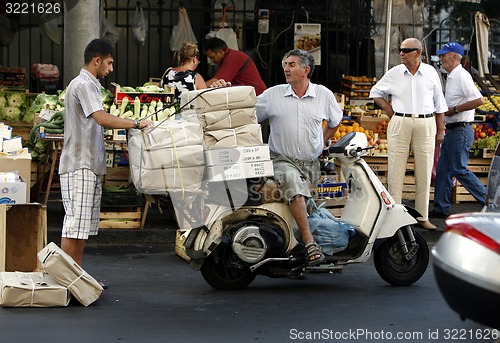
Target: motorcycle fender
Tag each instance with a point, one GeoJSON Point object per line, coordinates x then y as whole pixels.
{"type": "Point", "coordinates": [213, 238]}
{"type": "Point", "coordinates": [396, 217]}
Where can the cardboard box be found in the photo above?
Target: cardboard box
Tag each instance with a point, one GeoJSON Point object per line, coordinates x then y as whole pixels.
{"type": "Point", "coordinates": [12, 192]}
{"type": "Point", "coordinates": [240, 171]}
{"type": "Point", "coordinates": [216, 99]}
{"type": "Point", "coordinates": [20, 163]}
{"type": "Point", "coordinates": [69, 274]}
{"type": "Point", "coordinates": [23, 233]}
{"type": "Point", "coordinates": [237, 155]}
{"type": "Point", "coordinates": [34, 289]}
{"type": "Point", "coordinates": [369, 122]}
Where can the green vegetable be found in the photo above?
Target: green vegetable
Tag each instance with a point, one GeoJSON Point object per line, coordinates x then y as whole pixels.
{"type": "Point", "coordinates": [150, 89]}
{"type": "Point", "coordinates": [10, 113]}
{"type": "Point", "coordinates": [3, 101]}
{"type": "Point", "coordinates": [44, 101]}
{"type": "Point", "coordinates": [127, 89]}
{"type": "Point", "coordinates": [16, 99]}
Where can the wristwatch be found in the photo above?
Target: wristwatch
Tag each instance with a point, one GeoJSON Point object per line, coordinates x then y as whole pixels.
{"type": "Point", "coordinates": [137, 124]}
{"type": "Point", "coordinates": [455, 110]}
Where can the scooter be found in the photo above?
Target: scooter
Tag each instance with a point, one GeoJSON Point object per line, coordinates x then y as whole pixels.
{"type": "Point", "coordinates": [234, 246]}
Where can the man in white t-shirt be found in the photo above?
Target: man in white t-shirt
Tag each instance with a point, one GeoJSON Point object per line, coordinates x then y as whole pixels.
{"type": "Point", "coordinates": [462, 97]}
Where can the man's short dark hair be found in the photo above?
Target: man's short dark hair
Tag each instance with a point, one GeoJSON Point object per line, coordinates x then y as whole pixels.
{"type": "Point", "coordinates": [98, 48]}
{"type": "Point", "coordinates": [305, 59]}
{"type": "Point", "coordinates": [215, 44]}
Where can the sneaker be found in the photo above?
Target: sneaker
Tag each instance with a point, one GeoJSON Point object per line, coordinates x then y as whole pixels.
{"type": "Point", "coordinates": [436, 214]}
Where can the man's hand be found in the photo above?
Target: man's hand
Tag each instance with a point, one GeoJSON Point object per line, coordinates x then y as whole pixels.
{"type": "Point", "coordinates": [145, 123]}
{"type": "Point", "coordinates": [220, 83]}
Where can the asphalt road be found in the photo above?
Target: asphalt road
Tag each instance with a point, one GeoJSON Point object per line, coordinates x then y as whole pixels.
{"type": "Point", "coordinates": [154, 296]}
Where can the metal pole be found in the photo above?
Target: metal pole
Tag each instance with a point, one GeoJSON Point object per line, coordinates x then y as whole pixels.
{"type": "Point", "coordinates": [387, 36]}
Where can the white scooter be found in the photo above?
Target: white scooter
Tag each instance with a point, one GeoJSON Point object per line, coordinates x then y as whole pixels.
{"type": "Point", "coordinates": [237, 245]}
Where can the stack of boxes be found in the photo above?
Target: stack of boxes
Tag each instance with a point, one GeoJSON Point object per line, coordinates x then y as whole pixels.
{"type": "Point", "coordinates": [232, 137]}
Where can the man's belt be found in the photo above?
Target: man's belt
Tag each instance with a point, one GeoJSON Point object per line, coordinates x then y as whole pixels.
{"type": "Point", "coordinates": [452, 126]}
{"type": "Point", "coordinates": [414, 115]}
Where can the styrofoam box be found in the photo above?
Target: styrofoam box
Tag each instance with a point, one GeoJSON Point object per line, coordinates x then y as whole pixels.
{"type": "Point", "coordinates": [13, 192]}
{"type": "Point", "coordinates": [240, 171]}
{"type": "Point", "coordinates": [237, 155]}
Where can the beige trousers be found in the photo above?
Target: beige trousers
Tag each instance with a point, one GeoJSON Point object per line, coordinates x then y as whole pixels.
{"type": "Point", "coordinates": [419, 135]}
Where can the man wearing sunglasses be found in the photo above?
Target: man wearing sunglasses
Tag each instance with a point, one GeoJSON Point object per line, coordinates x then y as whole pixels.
{"type": "Point", "coordinates": [417, 122]}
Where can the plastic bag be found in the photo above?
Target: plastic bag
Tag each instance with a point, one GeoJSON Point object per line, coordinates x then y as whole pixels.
{"type": "Point", "coordinates": [139, 26]}
{"type": "Point", "coordinates": [182, 32]}
{"type": "Point", "coordinates": [329, 232]}
{"type": "Point", "coordinates": [109, 31]}
{"type": "Point", "coordinates": [227, 35]}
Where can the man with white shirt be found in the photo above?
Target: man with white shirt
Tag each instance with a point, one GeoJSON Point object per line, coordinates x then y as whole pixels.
{"type": "Point", "coordinates": [462, 97]}
{"type": "Point", "coordinates": [296, 111]}
{"type": "Point", "coordinates": [417, 122]}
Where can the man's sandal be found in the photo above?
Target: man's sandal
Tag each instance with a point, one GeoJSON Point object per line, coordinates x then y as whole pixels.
{"type": "Point", "coordinates": [314, 255]}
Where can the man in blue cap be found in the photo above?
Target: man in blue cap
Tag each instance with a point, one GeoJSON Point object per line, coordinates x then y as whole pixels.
{"type": "Point", "coordinates": [462, 97]}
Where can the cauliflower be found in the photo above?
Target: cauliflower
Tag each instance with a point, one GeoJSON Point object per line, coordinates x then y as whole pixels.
{"type": "Point", "coordinates": [11, 113]}
{"type": "Point", "coordinates": [16, 99]}
{"type": "Point", "coordinates": [44, 101]}
{"type": "Point", "coordinates": [3, 101]}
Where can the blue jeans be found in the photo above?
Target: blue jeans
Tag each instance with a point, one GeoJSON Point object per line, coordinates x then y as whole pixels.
{"type": "Point", "coordinates": [453, 162]}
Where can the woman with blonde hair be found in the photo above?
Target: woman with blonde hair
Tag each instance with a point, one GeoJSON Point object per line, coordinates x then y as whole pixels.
{"type": "Point", "coordinates": [184, 77]}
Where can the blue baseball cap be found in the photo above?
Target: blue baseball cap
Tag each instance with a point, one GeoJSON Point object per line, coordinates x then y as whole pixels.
{"type": "Point", "coordinates": [451, 47]}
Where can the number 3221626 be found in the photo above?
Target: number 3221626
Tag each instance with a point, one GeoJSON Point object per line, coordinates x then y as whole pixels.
{"type": "Point", "coordinates": [32, 8]}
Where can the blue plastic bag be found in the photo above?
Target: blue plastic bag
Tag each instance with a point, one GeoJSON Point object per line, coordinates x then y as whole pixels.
{"type": "Point", "coordinates": [329, 232]}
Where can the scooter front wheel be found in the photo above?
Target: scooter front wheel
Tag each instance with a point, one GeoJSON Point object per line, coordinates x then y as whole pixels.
{"type": "Point", "coordinates": [222, 270]}
{"type": "Point", "coordinates": [392, 264]}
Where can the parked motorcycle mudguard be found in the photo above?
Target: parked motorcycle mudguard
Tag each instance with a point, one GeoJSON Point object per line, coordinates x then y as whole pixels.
{"type": "Point", "coordinates": [397, 217]}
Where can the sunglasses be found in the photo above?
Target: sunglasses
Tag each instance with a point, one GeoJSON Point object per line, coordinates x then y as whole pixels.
{"type": "Point", "coordinates": [407, 50]}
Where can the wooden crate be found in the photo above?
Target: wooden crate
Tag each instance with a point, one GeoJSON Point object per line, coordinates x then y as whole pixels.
{"type": "Point", "coordinates": [121, 219]}
{"type": "Point", "coordinates": [180, 250]}
{"type": "Point", "coordinates": [333, 205]}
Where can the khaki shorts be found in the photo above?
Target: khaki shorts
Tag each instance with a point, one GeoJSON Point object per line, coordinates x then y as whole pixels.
{"type": "Point", "coordinates": [294, 177]}
{"type": "Point", "coordinates": [81, 192]}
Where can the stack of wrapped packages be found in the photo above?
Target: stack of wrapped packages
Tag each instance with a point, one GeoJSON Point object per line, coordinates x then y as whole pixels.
{"type": "Point", "coordinates": [60, 279]}
{"type": "Point", "coordinates": [217, 140]}
{"type": "Point", "coordinates": [232, 137]}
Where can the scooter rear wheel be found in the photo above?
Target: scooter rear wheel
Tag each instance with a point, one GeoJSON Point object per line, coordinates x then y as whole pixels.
{"type": "Point", "coordinates": [222, 270]}
{"type": "Point", "coordinates": [394, 268]}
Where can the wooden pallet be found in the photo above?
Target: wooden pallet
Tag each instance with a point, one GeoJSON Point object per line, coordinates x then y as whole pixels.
{"type": "Point", "coordinates": [121, 219]}
{"type": "Point", "coordinates": [333, 205]}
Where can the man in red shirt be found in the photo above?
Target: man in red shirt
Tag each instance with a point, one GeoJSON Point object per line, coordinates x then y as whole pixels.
{"type": "Point", "coordinates": [235, 66]}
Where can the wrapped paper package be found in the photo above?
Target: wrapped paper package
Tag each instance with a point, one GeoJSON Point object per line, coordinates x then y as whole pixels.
{"type": "Point", "coordinates": [215, 99]}
{"type": "Point", "coordinates": [227, 119]}
{"type": "Point", "coordinates": [161, 181]}
{"type": "Point", "coordinates": [243, 136]}
{"type": "Point", "coordinates": [69, 274]}
{"type": "Point", "coordinates": [34, 289]}
{"type": "Point", "coordinates": [167, 158]}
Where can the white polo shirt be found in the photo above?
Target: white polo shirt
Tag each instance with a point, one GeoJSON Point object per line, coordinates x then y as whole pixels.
{"type": "Point", "coordinates": [460, 88]}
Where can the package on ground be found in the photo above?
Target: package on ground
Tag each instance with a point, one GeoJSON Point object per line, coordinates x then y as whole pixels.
{"type": "Point", "coordinates": [12, 188]}
{"type": "Point", "coordinates": [227, 119]}
{"type": "Point", "coordinates": [69, 274]}
{"type": "Point", "coordinates": [215, 99]}
{"type": "Point", "coordinates": [5, 132]}
{"type": "Point", "coordinates": [33, 289]}
{"type": "Point", "coordinates": [23, 233]}
{"type": "Point", "coordinates": [237, 155]}
{"type": "Point", "coordinates": [247, 135]}
{"type": "Point", "coordinates": [163, 180]}
{"type": "Point", "coordinates": [246, 170]}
